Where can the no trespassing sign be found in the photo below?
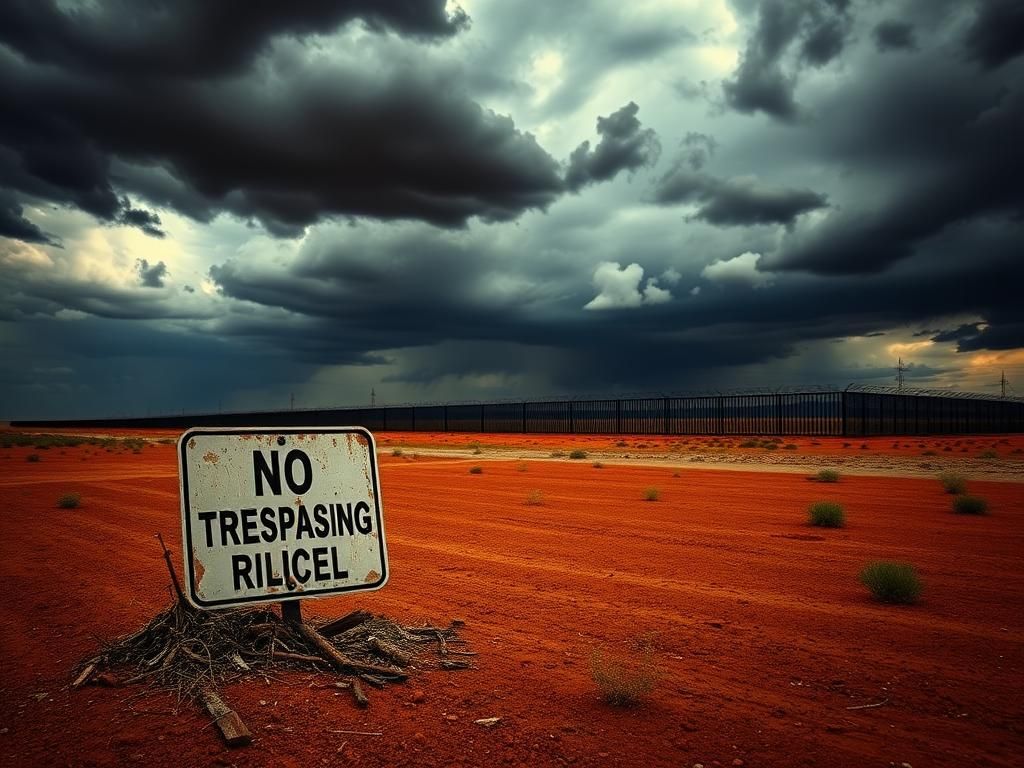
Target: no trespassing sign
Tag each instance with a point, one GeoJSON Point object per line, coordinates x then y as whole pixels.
{"type": "Point", "coordinates": [272, 514]}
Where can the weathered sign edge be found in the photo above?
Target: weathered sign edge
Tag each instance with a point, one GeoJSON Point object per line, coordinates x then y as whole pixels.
{"type": "Point", "coordinates": [186, 535]}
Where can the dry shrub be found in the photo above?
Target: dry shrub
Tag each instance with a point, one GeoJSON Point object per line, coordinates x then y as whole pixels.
{"type": "Point", "coordinates": [32, 457]}
{"type": "Point", "coordinates": [577, 453]}
{"type": "Point", "coordinates": [624, 679]}
{"type": "Point", "coordinates": [597, 465]}
{"type": "Point", "coordinates": [522, 466]}
{"type": "Point", "coordinates": [953, 482]}
{"type": "Point", "coordinates": [535, 498]}
{"type": "Point", "coordinates": [651, 494]}
{"type": "Point", "coordinates": [69, 501]}
{"type": "Point", "coordinates": [970, 505]}
{"type": "Point", "coordinates": [476, 470]}
{"type": "Point", "coordinates": [827, 476]}
{"type": "Point", "coordinates": [396, 452]}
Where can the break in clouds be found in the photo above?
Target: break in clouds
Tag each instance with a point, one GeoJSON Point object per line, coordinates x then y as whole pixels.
{"type": "Point", "coordinates": [215, 206]}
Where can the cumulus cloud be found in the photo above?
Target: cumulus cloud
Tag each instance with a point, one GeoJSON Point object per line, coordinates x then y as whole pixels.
{"type": "Point", "coordinates": [739, 270]}
{"type": "Point", "coordinates": [371, 127]}
{"type": "Point", "coordinates": [13, 223]}
{"type": "Point", "coordinates": [815, 31]}
{"type": "Point", "coordinates": [620, 287]}
{"type": "Point", "coordinates": [151, 276]}
{"type": "Point", "coordinates": [624, 146]}
{"type": "Point", "coordinates": [739, 201]}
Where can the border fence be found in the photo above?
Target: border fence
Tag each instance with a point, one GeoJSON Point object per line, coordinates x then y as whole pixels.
{"type": "Point", "coordinates": [856, 411]}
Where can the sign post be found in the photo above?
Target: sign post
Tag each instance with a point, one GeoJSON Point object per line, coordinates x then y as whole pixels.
{"type": "Point", "coordinates": [280, 514]}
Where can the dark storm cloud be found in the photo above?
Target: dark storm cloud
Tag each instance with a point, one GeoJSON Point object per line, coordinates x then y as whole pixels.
{"type": "Point", "coordinates": [737, 201]}
{"type": "Point", "coordinates": [997, 34]}
{"type": "Point", "coordinates": [624, 146]}
{"type": "Point", "coordinates": [967, 330]}
{"type": "Point", "coordinates": [151, 276]}
{"type": "Point", "coordinates": [193, 38]}
{"type": "Point", "coordinates": [939, 157]}
{"type": "Point", "coordinates": [147, 221]}
{"type": "Point", "coordinates": [764, 80]}
{"type": "Point", "coordinates": [14, 224]}
{"type": "Point", "coordinates": [293, 138]}
{"type": "Point", "coordinates": [893, 35]}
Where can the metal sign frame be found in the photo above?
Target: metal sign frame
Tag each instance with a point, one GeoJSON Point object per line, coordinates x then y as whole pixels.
{"type": "Point", "coordinates": [293, 594]}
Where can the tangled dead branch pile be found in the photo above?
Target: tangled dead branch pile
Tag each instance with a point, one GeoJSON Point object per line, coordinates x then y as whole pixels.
{"type": "Point", "coordinates": [193, 653]}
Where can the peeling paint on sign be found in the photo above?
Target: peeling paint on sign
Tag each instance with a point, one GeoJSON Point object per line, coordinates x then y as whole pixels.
{"type": "Point", "coordinates": [279, 514]}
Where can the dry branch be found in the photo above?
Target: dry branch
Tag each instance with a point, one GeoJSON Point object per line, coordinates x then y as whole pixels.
{"type": "Point", "coordinates": [228, 722]}
{"type": "Point", "coordinates": [359, 695]}
{"type": "Point", "coordinates": [346, 622]}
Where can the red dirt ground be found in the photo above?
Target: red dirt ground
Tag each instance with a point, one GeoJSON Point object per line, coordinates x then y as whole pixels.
{"type": "Point", "coordinates": [763, 636]}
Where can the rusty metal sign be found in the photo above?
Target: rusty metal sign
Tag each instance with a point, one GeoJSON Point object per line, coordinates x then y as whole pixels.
{"type": "Point", "coordinates": [279, 514]}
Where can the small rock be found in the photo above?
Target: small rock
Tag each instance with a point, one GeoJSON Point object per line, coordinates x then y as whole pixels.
{"type": "Point", "coordinates": [418, 697]}
{"type": "Point", "coordinates": [451, 718]}
{"type": "Point", "coordinates": [488, 722]}
{"type": "Point", "coordinates": [737, 762]}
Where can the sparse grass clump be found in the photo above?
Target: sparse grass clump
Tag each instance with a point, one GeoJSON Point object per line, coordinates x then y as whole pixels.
{"type": "Point", "coordinates": [69, 501]}
{"type": "Point", "coordinates": [988, 455]}
{"type": "Point", "coordinates": [477, 450]}
{"type": "Point", "coordinates": [556, 454]}
{"type": "Point", "coordinates": [597, 465]}
{"type": "Point", "coordinates": [624, 680]}
{"type": "Point", "coordinates": [32, 457]}
{"type": "Point", "coordinates": [790, 447]}
{"type": "Point", "coordinates": [827, 476]}
{"type": "Point", "coordinates": [522, 466]}
{"type": "Point", "coordinates": [826, 514]}
{"type": "Point", "coordinates": [891, 582]}
{"type": "Point", "coordinates": [396, 452]}
{"type": "Point", "coordinates": [651, 494]}
{"type": "Point", "coordinates": [476, 470]}
{"type": "Point", "coordinates": [929, 453]}
{"type": "Point", "coordinates": [953, 482]}
{"type": "Point", "coordinates": [535, 498]}
{"type": "Point", "coordinates": [577, 453]}
{"type": "Point", "coordinates": [970, 505]}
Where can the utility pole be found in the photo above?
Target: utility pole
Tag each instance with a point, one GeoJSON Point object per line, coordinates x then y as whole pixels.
{"type": "Point", "coordinates": [900, 370]}
{"type": "Point", "coordinates": [293, 401]}
{"type": "Point", "coordinates": [373, 397]}
{"type": "Point", "coordinates": [1002, 383]}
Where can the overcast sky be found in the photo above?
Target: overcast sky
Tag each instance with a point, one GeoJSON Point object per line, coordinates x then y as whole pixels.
{"type": "Point", "coordinates": [217, 205]}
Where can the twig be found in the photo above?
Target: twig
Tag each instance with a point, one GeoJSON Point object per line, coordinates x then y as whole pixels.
{"type": "Point", "coordinates": [870, 706]}
{"type": "Point", "coordinates": [358, 733]}
{"type": "Point", "coordinates": [174, 575]}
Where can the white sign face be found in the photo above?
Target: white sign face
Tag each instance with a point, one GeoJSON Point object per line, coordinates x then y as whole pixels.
{"type": "Point", "coordinates": [271, 514]}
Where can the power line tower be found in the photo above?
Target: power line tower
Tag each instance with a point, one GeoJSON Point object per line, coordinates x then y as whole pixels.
{"type": "Point", "coordinates": [900, 370]}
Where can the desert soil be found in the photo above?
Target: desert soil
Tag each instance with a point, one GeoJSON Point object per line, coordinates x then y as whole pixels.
{"type": "Point", "coordinates": [767, 648]}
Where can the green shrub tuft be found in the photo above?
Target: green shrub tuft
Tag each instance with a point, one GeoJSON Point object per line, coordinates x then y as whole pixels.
{"type": "Point", "coordinates": [891, 582]}
{"type": "Point", "coordinates": [577, 453]}
{"type": "Point", "coordinates": [651, 494]}
{"type": "Point", "coordinates": [827, 476]}
{"type": "Point", "coordinates": [826, 514]}
{"type": "Point", "coordinates": [970, 505]}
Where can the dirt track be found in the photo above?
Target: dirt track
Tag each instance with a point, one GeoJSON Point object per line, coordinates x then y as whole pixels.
{"type": "Point", "coordinates": [764, 638]}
